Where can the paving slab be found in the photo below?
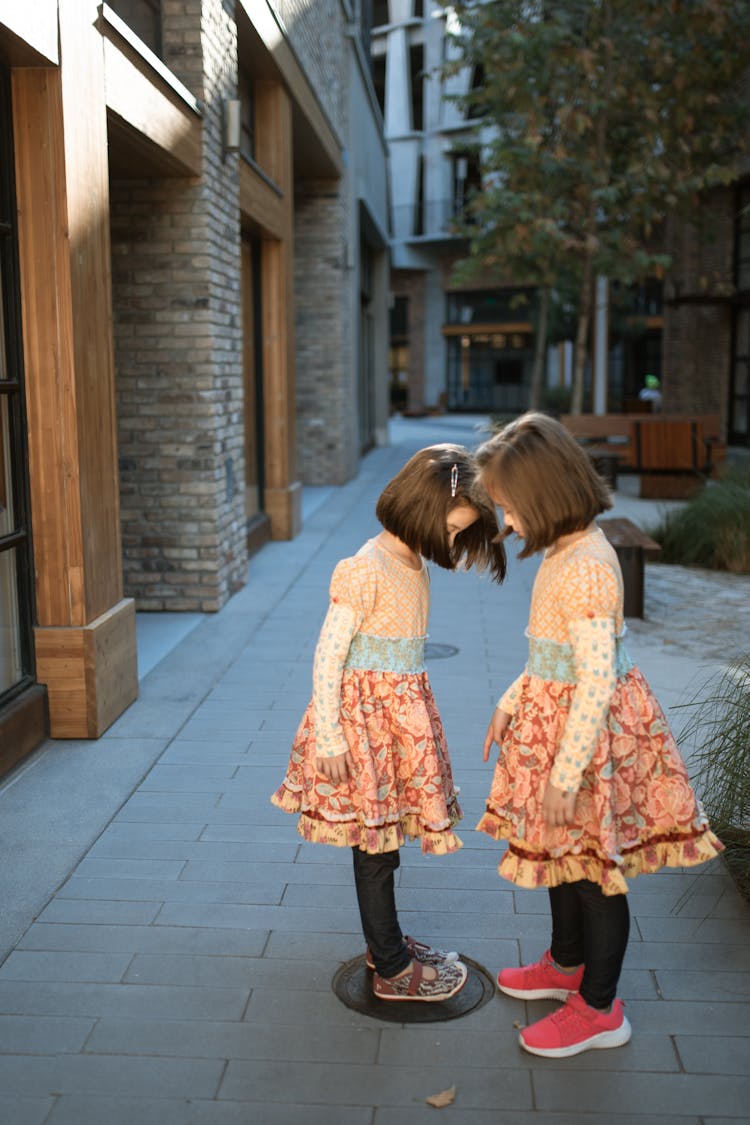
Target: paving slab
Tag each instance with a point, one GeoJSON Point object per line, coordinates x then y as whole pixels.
{"type": "Point", "coordinates": [168, 940]}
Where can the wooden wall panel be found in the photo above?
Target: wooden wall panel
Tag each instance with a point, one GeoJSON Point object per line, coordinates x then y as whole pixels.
{"type": "Point", "coordinates": [85, 635]}
{"type": "Point", "coordinates": [283, 492]}
{"type": "Point", "coordinates": [261, 205]}
{"type": "Point", "coordinates": [87, 187]}
{"type": "Point", "coordinates": [48, 346]}
{"type": "Point", "coordinates": [174, 129]}
{"type": "Point", "coordinates": [91, 673]}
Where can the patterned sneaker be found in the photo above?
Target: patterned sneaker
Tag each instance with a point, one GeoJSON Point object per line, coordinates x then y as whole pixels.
{"type": "Point", "coordinates": [540, 981]}
{"type": "Point", "coordinates": [418, 951]}
{"type": "Point", "coordinates": [574, 1028]}
{"type": "Point", "coordinates": [450, 979]}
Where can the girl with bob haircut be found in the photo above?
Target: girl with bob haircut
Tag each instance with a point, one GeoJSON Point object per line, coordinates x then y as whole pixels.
{"type": "Point", "coordinates": [369, 765]}
{"type": "Point", "coordinates": [589, 786]}
{"type": "Point", "coordinates": [546, 475]}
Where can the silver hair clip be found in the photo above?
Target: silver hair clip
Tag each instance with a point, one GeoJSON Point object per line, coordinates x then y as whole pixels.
{"type": "Point", "coordinates": [454, 480]}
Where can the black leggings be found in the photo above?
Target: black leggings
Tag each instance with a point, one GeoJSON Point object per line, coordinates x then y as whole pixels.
{"type": "Point", "coordinates": [590, 928]}
{"type": "Point", "coordinates": [374, 880]}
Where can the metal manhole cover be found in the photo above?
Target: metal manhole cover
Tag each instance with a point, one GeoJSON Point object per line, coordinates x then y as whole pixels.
{"type": "Point", "coordinates": [438, 652]}
{"type": "Point", "coordinates": [352, 983]}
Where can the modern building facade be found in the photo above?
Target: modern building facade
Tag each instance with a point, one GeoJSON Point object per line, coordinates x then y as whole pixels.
{"type": "Point", "coordinates": [706, 345]}
{"type": "Point", "coordinates": [470, 347]}
{"type": "Point", "coordinates": [453, 346]}
{"type": "Point", "coordinates": [193, 240]}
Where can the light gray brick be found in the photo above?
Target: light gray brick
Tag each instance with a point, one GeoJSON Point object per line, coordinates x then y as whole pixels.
{"type": "Point", "coordinates": [653, 1093]}
{"type": "Point", "coordinates": [90, 1074]}
{"type": "Point", "coordinates": [120, 1001]}
{"type": "Point", "coordinates": [145, 939]}
{"type": "Point", "coordinates": [207, 1039]}
{"type": "Point", "coordinates": [340, 1084]}
{"type": "Point", "coordinates": [47, 1035]}
{"type": "Point", "coordinates": [25, 965]}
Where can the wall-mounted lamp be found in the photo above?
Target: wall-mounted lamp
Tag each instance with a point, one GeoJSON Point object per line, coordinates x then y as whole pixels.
{"type": "Point", "coordinates": [232, 125]}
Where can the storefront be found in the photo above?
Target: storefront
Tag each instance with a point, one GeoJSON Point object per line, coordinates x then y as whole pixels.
{"type": "Point", "coordinates": [490, 351]}
{"type": "Point", "coordinates": [22, 702]}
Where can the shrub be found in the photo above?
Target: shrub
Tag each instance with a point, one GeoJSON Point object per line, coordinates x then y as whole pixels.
{"type": "Point", "coordinates": [713, 529]}
{"type": "Point", "coordinates": [719, 729]}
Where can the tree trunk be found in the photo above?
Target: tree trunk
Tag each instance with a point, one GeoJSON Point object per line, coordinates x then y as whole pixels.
{"type": "Point", "coordinates": [540, 350]}
{"type": "Point", "coordinates": [582, 336]}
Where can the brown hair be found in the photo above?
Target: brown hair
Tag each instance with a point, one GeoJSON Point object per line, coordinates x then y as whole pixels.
{"type": "Point", "coordinates": [414, 507]}
{"type": "Point", "coordinates": [546, 477]}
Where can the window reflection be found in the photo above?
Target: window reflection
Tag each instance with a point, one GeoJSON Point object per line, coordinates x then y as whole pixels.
{"type": "Point", "coordinates": [6, 501]}
{"type": "Point", "coordinates": [144, 18]}
{"type": "Point", "coordinates": [11, 668]}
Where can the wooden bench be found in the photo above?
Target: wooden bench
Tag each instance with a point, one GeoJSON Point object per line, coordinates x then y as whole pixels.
{"type": "Point", "coordinates": [632, 547]}
{"type": "Point", "coordinates": [673, 453]}
{"type": "Point", "coordinates": [676, 454]}
{"type": "Point", "coordinates": [606, 434]}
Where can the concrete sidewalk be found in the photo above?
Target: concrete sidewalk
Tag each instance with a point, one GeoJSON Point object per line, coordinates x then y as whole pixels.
{"type": "Point", "coordinates": [171, 940]}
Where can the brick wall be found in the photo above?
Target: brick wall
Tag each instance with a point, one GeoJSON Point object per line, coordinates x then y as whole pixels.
{"type": "Point", "coordinates": [315, 31]}
{"type": "Point", "coordinates": [176, 288]}
{"type": "Point", "coordinates": [325, 363]}
{"type": "Point", "coordinates": [325, 250]}
{"type": "Point", "coordinates": [410, 284]}
{"type": "Point", "coordinates": [697, 321]}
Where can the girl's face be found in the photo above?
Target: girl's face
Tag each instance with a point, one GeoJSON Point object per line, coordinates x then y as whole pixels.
{"type": "Point", "coordinates": [511, 520]}
{"type": "Point", "coordinates": [458, 519]}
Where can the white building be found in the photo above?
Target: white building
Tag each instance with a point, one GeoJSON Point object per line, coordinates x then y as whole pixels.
{"type": "Point", "coordinates": [459, 347]}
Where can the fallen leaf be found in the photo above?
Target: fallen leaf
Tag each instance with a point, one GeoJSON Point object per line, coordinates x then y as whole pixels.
{"type": "Point", "coordinates": [447, 1097]}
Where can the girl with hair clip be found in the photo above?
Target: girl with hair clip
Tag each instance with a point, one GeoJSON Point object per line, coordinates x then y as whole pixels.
{"type": "Point", "coordinates": [589, 786]}
{"type": "Point", "coordinates": [369, 764]}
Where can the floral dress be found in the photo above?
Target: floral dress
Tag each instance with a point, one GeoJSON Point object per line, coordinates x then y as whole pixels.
{"type": "Point", "coordinates": [584, 719]}
{"type": "Point", "coordinates": [372, 697]}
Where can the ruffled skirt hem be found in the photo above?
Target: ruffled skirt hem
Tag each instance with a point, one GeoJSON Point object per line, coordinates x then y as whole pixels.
{"type": "Point", "coordinates": [373, 838]}
{"type": "Point", "coordinates": [531, 870]}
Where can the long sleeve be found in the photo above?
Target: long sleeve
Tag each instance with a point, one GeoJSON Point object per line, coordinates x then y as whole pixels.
{"type": "Point", "coordinates": [592, 639]}
{"type": "Point", "coordinates": [335, 638]}
{"type": "Point", "coordinates": [352, 593]}
{"type": "Point", "coordinates": [509, 699]}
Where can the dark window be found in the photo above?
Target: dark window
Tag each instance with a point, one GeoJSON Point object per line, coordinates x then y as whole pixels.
{"type": "Point", "coordinates": [477, 81]}
{"type": "Point", "coordinates": [416, 63]}
{"type": "Point", "coordinates": [490, 306]}
{"type": "Point", "coordinates": [246, 95]}
{"type": "Point", "coordinates": [739, 395]}
{"type": "Point", "coordinates": [378, 78]}
{"type": "Point", "coordinates": [419, 206]}
{"type": "Point", "coordinates": [16, 593]}
{"type": "Point", "coordinates": [144, 18]}
{"type": "Point", "coordinates": [398, 354]}
{"type": "Point", "coordinates": [508, 371]}
{"type": "Point", "coordinates": [467, 181]}
{"type": "Point", "coordinates": [739, 412]}
{"type": "Point", "coordinates": [400, 320]}
{"type": "Point", "coordinates": [742, 253]}
{"type": "Point", "coordinates": [379, 13]}
{"type": "Point", "coordinates": [489, 371]}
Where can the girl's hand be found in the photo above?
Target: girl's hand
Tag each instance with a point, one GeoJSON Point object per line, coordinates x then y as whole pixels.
{"type": "Point", "coordinates": [495, 731]}
{"type": "Point", "coordinates": [558, 808]}
{"type": "Point", "coordinates": [336, 769]}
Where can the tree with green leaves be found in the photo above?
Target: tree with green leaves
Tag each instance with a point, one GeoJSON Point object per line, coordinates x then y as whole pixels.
{"type": "Point", "coordinates": [598, 120]}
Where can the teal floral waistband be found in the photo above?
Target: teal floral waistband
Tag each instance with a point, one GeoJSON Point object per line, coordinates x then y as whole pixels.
{"type": "Point", "coordinates": [386, 654]}
{"type": "Point", "coordinates": [553, 661]}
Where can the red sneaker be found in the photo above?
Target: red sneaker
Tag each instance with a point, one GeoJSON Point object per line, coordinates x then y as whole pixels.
{"type": "Point", "coordinates": [541, 981]}
{"type": "Point", "coordinates": [574, 1028]}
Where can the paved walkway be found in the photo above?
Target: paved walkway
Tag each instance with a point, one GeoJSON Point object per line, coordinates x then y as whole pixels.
{"type": "Point", "coordinates": [171, 941]}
